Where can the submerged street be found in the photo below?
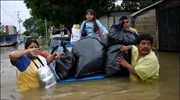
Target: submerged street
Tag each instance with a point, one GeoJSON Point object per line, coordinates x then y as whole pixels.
{"type": "Point", "coordinates": [103, 89]}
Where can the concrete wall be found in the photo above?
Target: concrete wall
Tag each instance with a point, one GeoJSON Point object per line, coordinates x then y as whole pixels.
{"type": "Point", "coordinates": [146, 23]}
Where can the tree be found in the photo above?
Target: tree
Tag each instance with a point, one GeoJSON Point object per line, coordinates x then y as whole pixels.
{"type": "Point", "coordinates": [34, 25]}
{"type": "Point", "coordinates": [67, 12]}
{"type": "Point", "coordinates": [134, 5]}
{"type": "Point", "coordinates": [27, 33]}
{"type": "Point", "coordinates": [29, 24]}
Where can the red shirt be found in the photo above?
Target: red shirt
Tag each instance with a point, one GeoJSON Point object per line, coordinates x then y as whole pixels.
{"type": "Point", "coordinates": [44, 54]}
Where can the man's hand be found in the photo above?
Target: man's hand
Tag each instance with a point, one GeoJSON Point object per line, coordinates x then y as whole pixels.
{"type": "Point", "coordinates": [122, 61]}
{"type": "Point", "coordinates": [125, 64]}
{"type": "Point", "coordinates": [125, 49]}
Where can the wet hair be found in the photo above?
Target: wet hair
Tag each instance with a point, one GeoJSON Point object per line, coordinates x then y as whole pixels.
{"type": "Point", "coordinates": [29, 41]}
{"type": "Point", "coordinates": [144, 37]}
{"type": "Point", "coordinates": [121, 21]}
{"type": "Point", "coordinates": [123, 18]}
{"type": "Point", "coordinates": [91, 11]}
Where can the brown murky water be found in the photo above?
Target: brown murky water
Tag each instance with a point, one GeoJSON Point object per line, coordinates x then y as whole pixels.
{"type": "Point", "coordinates": [116, 88]}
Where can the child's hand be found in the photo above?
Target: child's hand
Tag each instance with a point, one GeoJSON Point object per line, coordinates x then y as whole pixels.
{"type": "Point", "coordinates": [104, 36]}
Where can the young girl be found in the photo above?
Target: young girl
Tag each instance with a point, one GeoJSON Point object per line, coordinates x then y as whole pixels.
{"type": "Point", "coordinates": [91, 25]}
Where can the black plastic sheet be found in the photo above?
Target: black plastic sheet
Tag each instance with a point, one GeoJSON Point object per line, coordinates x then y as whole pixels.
{"type": "Point", "coordinates": [118, 36]}
{"type": "Point", "coordinates": [90, 57]}
{"type": "Point", "coordinates": [121, 36]}
{"type": "Point", "coordinates": [111, 66]}
{"type": "Point", "coordinates": [64, 66]}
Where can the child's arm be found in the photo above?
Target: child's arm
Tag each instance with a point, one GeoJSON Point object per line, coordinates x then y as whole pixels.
{"type": "Point", "coordinates": [81, 28]}
{"type": "Point", "coordinates": [102, 28]}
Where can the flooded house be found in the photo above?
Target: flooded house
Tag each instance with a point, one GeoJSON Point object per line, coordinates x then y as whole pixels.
{"type": "Point", "coordinates": [161, 20]}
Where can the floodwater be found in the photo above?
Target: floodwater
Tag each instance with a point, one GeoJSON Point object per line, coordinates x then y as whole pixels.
{"type": "Point", "coordinates": [115, 88]}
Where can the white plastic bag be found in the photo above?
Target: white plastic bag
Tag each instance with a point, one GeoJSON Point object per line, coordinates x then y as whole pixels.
{"type": "Point", "coordinates": [75, 36]}
{"type": "Point", "coordinates": [46, 76]}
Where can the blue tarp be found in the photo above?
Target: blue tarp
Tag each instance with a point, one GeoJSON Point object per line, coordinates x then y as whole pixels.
{"type": "Point", "coordinates": [92, 77]}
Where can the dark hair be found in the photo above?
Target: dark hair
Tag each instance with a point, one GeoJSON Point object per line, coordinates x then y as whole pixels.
{"type": "Point", "coordinates": [91, 11]}
{"type": "Point", "coordinates": [123, 18]}
{"type": "Point", "coordinates": [121, 21]}
{"type": "Point", "coordinates": [29, 41]}
{"type": "Point", "coordinates": [144, 37]}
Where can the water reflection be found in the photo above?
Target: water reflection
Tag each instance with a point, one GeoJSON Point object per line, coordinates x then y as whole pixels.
{"type": "Point", "coordinates": [106, 89]}
{"type": "Point", "coordinates": [115, 88]}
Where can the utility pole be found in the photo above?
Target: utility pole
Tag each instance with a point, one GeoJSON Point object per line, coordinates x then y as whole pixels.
{"type": "Point", "coordinates": [19, 21]}
{"type": "Point", "coordinates": [46, 27]}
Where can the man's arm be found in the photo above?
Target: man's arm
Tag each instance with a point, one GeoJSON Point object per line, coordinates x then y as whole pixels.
{"type": "Point", "coordinates": [125, 64]}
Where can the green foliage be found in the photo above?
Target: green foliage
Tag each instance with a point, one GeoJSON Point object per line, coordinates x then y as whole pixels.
{"type": "Point", "coordinates": [67, 12]}
{"type": "Point", "coordinates": [34, 34]}
{"type": "Point", "coordinates": [29, 24]}
{"type": "Point", "coordinates": [3, 33]}
{"type": "Point", "coordinates": [34, 25]}
{"type": "Point", "coordinates": [133, 5]}
{"type": "Point", "coordinates": [27, 33]}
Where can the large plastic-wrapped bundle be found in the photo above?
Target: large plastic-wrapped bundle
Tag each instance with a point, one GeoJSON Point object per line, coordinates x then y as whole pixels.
{"type": "Point", "coordinates": [118, 36]}
{"type": "Point", "coordinates": [121, 36]}
{"type": "Point", "coordinates": [111, 66]}
{"type": "Point", "coordinates": [90, 57]}
{"type": "Point", "coordinates": [64, 66]}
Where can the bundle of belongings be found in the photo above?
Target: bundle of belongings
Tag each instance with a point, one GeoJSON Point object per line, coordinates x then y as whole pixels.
{"type": "Point", "coordinates": [90, 57]}
{"type": "Point", "coordinates": [64, 66]}
{"type": "Point", "coordinates": [116, 38]}
{"type": "Point", "coordinates": [87, 58]}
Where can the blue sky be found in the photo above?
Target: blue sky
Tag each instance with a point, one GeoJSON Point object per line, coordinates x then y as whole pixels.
{"type": "Point", "coordinates": [9, 10]}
